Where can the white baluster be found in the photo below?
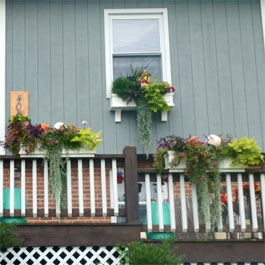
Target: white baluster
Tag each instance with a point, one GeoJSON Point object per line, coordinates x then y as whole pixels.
{"type": "Point", "coordinates": [171, 203]}
{"type": "Point", "coordinates": [103, 187]}
{"type": "Point", "coordinates": [262, 188]}
{"type": "Point", "coordinates": [80, 187]}
{"type": "Point", "coordinates": [1, 187]}
{"type": "Point", "coordinates": [115, 187]}
{"type": "Point", "coordinates": [230, 203]}
{"type": "Point", "coordinates": [23, 187]}
{"type": "Point", "coordinates": [69, 188]}
{"type": "Point", "coordinates": [160, 205]}
{"type": "Point", "coordinates": [241, 203]}
{"type": "Point", "coordinates": [12, 184]}
{"type": "Point", "coordinates": [148, 203]}
{"type": "Point", "coordinates": [46, 189]}
{"type": "Point", "coordinates": [195, 208]}
{"type": "Point", "coordinates": [92, 187]}
{"type": "Point", "coordinates": [183, 204]}
{"type": "Point", "coordinates": [34, 187]}
{"type": "Point", "coordinates": [254, 217]}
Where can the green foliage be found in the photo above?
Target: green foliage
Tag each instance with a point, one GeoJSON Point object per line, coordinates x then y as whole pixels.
{"type": "Point", "coordinates": [140, 253]}
{"type": "Point", "coordinates": [126, 88]}
{"type": "Point", "coordinates": [144, 121]}
{"type": "Point", "coordinates": [154, 96]}
{"type": "Point", "coordinates": [89, 138]}
{"type": "Point", "coordinates": [159, 159]}
{"type": "Point", "coordinates": [8, 238]}
{"type": "Point", "coordinates": [57, 174]}
{"type": "Point", "coordinates": [246, 152]}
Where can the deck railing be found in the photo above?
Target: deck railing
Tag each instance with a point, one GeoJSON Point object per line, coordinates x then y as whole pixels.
{"type": "Point", "coordinates": [92, 191]}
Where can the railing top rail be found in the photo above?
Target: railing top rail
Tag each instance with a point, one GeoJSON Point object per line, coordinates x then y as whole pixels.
{"type": "Point", "coordinates": [99, 156]}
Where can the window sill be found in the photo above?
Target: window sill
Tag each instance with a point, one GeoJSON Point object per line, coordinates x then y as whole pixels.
{"type": "Point", "coordinates": [117, 104]}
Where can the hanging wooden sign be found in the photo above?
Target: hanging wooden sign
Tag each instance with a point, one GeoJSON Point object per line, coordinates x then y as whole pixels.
{"type": "Point", "coordinates": [19, 103]}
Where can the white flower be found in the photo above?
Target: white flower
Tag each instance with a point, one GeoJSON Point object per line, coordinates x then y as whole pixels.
{"type": "Point", "coordinates": [58, 125]}
{"type": "Point", "coordinates": [214, 140]}
{"type": "Point", "coordinates": [84, 122]}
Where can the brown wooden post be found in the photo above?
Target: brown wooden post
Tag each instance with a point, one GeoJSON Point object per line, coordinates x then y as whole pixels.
{"type": "Point", "coordinates": [131, 185]}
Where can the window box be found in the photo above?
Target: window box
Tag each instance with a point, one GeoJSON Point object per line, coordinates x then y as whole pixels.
{"type": "Point", "coordinates": [39, 153]}
{"type": "Point", "coordinates": [224, 166]}
{"type": "Point", "coordinates": [117, 104]}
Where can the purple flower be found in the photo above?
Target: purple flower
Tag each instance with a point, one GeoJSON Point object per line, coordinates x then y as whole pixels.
{"type": "Point", "coordinates": [51, 141]}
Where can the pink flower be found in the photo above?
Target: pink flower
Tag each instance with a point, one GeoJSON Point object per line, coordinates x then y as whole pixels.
{"type": "Point", "coordinates": [181, 154]}
{"type": "Point", "coordinates": [51, 141]}
{"type": "Point", "coordinates": [205, 153]}
{"type": "Point", "coordinates": [203, 178]}
{"type": "Point", "coordinates": [76, 131]}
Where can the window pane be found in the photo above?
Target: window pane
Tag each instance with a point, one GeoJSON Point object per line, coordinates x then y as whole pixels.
{"type": "Point", "coordinates": [121, 65]}
{"type": "Point", "coordinates": [136, 35]}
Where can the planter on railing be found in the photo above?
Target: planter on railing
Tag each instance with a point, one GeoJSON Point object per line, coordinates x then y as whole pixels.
{"type": "Point", "coordinates": [224, 165]}
{"type": "Point", "coordinates": [39, 153]}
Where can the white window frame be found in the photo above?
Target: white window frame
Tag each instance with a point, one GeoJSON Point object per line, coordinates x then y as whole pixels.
{"type": "Point", "coordinates": [2, 70]}
{"type": "Point", "coordinates": [142, 13]}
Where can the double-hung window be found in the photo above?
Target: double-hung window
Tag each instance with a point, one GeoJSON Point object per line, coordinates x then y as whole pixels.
{"type": "Point", "coordinates": [137, 38]}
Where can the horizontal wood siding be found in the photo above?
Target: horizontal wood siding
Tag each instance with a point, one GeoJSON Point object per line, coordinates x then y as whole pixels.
{"type": "Point", "coordinates": [55, 50]}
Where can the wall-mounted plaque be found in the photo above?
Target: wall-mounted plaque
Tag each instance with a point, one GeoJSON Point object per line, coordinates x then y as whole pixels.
{"type": "Point", "coordinates": [19, 103]}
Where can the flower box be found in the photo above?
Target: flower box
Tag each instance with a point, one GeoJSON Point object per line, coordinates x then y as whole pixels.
{"type": "Point", "coordinates": [224, 166]}
{"type": "Point", "coordinates": [181, 167]}
{"type": "Point", "coordinates": [39, 153]}
{"type": "Point", "coordinates": [117, 104]}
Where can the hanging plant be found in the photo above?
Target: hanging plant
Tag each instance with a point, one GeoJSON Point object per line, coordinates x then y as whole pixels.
{"type": "Point", "coordinates": [202, 165]}
{"type": "Point", "coordinates": [144, 122]}
{"type": "Point", "coordinates": [149, 99]}
{"type": "Point", "coordinates": [52, 141]}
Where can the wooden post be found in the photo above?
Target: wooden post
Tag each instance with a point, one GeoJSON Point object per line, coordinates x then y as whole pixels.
{"type": "Point", "coordinates": [131, 185]}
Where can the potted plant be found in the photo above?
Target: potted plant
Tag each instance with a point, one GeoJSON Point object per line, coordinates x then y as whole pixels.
{"type": "Point", "coordinates": [137, 92]}
{"type": "Point", "coordinates": [201, 163]}
{"type": "Point", "coordinates": [51, 143]}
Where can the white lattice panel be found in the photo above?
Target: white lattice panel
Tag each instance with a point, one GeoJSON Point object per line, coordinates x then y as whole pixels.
{"type": "Point", "coordinates": [60, 256]}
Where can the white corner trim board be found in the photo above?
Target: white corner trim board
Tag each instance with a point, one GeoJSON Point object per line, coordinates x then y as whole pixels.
{"type": "Point", "coordinates": [2, 70]}
{"type": "Point", "coordinates": [262, 8]}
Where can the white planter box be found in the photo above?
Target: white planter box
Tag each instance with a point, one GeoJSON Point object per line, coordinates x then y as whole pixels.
{"type": "Point", "coordinates": [181, 167]}
{"type": "Point", "coordinates": [117, 104]}
{"type": "Point", "coordinates": [224, 166]}
{"type": "Point", "coordinates": [39, 153]}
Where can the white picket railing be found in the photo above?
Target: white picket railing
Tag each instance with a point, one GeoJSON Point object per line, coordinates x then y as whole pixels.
{"type": "Point", "coordinates": [42, 193]}
{"type": "Point", "coordinates": [104, 190]}
{"type": "Point", "coordinates": [236, 221]}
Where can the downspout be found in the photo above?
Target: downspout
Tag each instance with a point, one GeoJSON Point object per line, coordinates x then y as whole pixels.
{"type": "Point", "coordinates": [2, 70]}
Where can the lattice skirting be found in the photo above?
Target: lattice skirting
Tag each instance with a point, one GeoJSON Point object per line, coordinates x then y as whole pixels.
{"type": "Point", "coordinates": [60, 256]}
{"type": "Point", "coordinates": [72, 256]}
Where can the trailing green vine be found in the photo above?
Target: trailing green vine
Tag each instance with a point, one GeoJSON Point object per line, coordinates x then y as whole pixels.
{"type": "Point", "coordinates": [144, 121]}
{"type": "Point", "coordinates": [57, 174]}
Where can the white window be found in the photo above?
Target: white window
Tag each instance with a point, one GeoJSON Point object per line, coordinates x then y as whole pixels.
{"type": "Point", "coordinates": [137, 38]}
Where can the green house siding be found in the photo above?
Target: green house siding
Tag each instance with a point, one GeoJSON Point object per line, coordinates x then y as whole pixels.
{"type": "Point", "coordinates": [55, 50]}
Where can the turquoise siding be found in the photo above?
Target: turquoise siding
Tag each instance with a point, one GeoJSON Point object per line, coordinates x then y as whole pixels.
{"type": "Point", "coordinates": [55, 50]}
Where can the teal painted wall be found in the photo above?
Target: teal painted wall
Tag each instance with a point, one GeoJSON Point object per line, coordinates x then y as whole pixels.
{"type": "Point", "coordinates": [55, 50]}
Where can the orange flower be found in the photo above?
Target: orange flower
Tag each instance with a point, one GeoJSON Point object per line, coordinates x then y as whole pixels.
{"type": "Point", "coordinates": [44, 126]}
{"type": "Point", "coordinates": [194, 140]}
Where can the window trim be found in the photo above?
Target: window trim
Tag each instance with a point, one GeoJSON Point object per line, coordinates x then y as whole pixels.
{"type": "Point", "coordinates": [144, 13]}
